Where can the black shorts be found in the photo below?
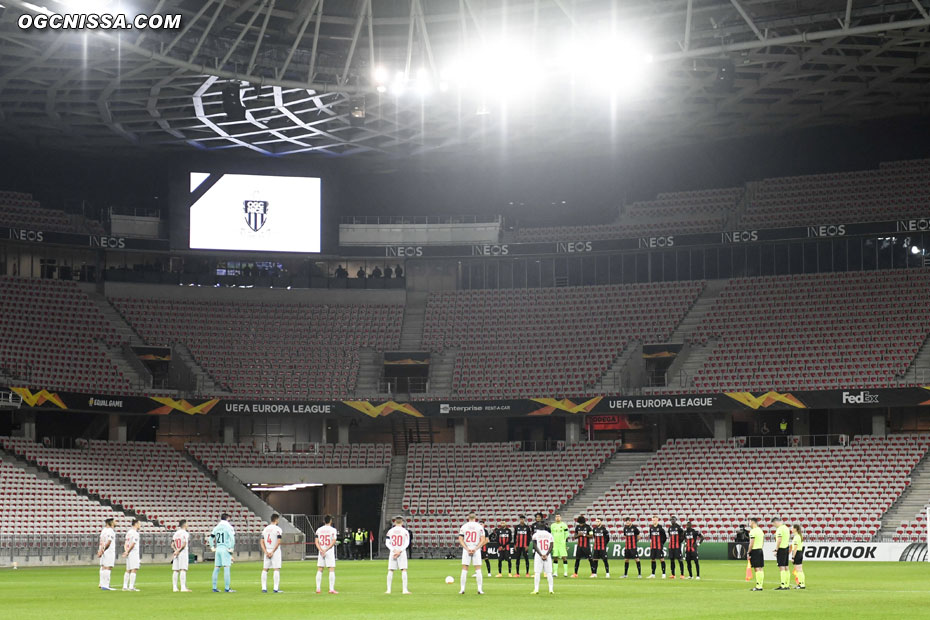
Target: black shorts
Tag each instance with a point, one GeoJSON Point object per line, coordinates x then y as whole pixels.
{"type": "Point", "coordinates": [599, 554]}
{"type": "Point", "coordinates": [674, 554]}
{"type": "Point", "coordinates": [756, 560]}
{"type": "Point", "coordinates": [798, 558]}
{"type": "Point", "coordinates": [503, 554]}
{"type": "Point", "coordinates": [631, 553]}
{"type": "Point", "coordinates": [691, 556]}
{"type": "Point", "coordinates": [656, 554]}
{"type": "Point", "coordinates": [781, 556]}
{"type": "Point", "coordinates": [582, 552]}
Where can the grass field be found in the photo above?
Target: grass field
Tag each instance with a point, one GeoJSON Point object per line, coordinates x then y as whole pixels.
{"type": "Point", "coordinates": [835, 590]}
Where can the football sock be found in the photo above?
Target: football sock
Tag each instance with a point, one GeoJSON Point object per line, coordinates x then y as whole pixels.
{"type": "Point", "coordinates": [689, 569]}
{"type": "Point", "coordinates": [103, 574]}
{"type": "Point", "coordinates": [264, 580]}
{"type": "Point", "coordinates": [464, 579]}
{"type": "Point", "coordinates": [107, 578]}
{"type": "Point", "coordinates": [332, 580]}
{"type": "Point", "coordinates": [226, 577]}
{"type": "Point", "coordinates": [536, 581]}
{"type": "Point", "coordinates": [800, 578]}
{"type": "Point", "coordinates": [663, 567]}
{"type": "Point", "coordinates": [390, 578]}
{"type": "Point", "coordinates": [577, 564]}
{"type": "Point", "coordinates": [183, 579]}
{"type": "Point", "coordinates": [319, 579]}
{"type": "Point", "coordinates": [626, 567]}
{"type": "Point", "coordinates": [549, 579]}
{"type": "Point", "coordinates": [480, 579]}
{"type": "Point", "coordinates": [132, 580]}
{"type": "Point", "coordinates": [760, 578]}
{"type": "Point", "coordinates": [593, 566]}
{"type": "Point", "coordinates": [784, 578]}
{"type": "Point", "coordinates": [653, 567]}
{"type": "Point", "coordinates": [216, 573]}
{"type": "Point", "coordinates": [277, 580]}
{"type": "Point", "coordinates": [174, 580]}
{"type": "Point", "coordinates": [672, 564]}
{"type": "Point", "coordinates": [639, 567]}
{"type": "Point", "coordinates": [403, 579]}
{"type": "Point", "coordinates": [125, 580]}
{"type": "Point", "coordinates": [681, 567]}
{"type": "Point", "coordinates": [697, 567]}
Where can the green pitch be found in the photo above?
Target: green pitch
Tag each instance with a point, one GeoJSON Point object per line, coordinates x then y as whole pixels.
{"type": "Point", "coordinates": [834, 590]}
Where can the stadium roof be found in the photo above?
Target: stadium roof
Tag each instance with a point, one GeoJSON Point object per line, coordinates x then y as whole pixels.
{"type": "Point", "coordinates": [305, 66]}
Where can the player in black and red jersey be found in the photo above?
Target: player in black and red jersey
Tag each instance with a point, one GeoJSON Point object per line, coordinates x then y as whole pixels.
{"type": "Point", "coordinates": [521, 542]}
{"type": "Point", "coordinates": [599, 540]}
{"type": "Point", "coordinates": [504, 542]}
{"type": "Point", "coordinates": [676, 538]}
{"type": "Point", "coordinates": [582, 543]}
{"type": "Point", "coordinates": [693, 538]}
{"type": "Point", "coordinates": [539, 523]}
{"type": "Point", "coordinates": [630, 551]}
{"type": "Point", "coordinates": [657, 540]}
{"type": "Point", "coordinates": [489, 550]}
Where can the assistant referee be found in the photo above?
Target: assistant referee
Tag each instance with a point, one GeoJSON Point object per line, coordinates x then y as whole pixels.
{"type": "Point", "coordinates": [756, 560]}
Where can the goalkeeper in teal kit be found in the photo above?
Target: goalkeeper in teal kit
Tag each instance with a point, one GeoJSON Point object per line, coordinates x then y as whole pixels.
{"type": "Point", "coordinates": [222, 541]}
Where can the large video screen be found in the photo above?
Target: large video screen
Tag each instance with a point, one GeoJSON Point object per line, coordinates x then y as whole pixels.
{"type": "Point", "coordinates": [254, 212]}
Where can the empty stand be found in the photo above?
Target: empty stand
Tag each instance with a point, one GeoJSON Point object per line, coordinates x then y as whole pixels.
{"type": "Point", "coordinates": [355, 456]}
{"type": "Point", "coordinates": [838, 330]}
{"type": "Point", "coordinates": [33, 505]}
{"type": "Point", "coordinates": [19, 210]}
{"type": "Point", "coordinates": [270, 350]}
{"type": "Point", "coordinates": [497, 480]}
{"type": "Point", "coordinates": [896, 190]}
{"type": "Point", "coordinates": [549, 341]}
{"type": "Point", "coordinates": [53, 336]}
{"type": "Point", "coordinates": [835, 493]}
{"type": "Point", "coordinates": [670, 213]}
{"type": "Point", "coordinates": [150, 479]}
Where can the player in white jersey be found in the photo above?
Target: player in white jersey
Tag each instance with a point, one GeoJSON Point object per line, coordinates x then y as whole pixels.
{"type": "Point", "coordinates": [107, 553]}
{"type": "Point", "coordinates": [180, 558]}
{"type": "Point", "coordinates": [271, 548]}
{"type": "Point", "coordinates": [398, 539]}
{"type": "Point", "coordinates": [471, 539]}
{"type": "Point", "coordinates": [325, 541]}
{"type": "Point", "coordinates": [542, 562]}
{"type": "Point", "coordinates": [131, 551]}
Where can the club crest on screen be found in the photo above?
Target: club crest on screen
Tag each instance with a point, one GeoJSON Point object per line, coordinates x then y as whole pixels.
{"type": "Point", "coordinates": [256, 213]}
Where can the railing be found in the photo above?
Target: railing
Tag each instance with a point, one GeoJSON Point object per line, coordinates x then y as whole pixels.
{"type": "Point", "coordinates": [397, 385]}
{"type": "Point", "coordinates": [308, 524]}
{"type": "Point", "coordinates": [916, 375]}
{"type": "Point", "coordinates": [547, 445]}
{"type": "Point", "coordinates": [135, 211]}
{"type": "Point", "coordinates": [9, 400]}
{"type": "Point", "coordinates": [82, 548]}
{"type": "Point", "coordinates": [785, 440]}
{"type": "Point", "coordinates": [396, 220]}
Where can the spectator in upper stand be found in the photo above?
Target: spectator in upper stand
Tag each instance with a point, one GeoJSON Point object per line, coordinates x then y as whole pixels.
{"type": "Point", "coordinates": [388, 272]}
{"type": "Point", "coordinates": [742, 534]}
{"type": "Point", "coordinates": [341, 272]}
{"type": "Point", "coordinates": [398, 272]}
{"type": "Point", "coordinates": [360, 273]}
{"type": "Point", "coordinates": [376, 272]}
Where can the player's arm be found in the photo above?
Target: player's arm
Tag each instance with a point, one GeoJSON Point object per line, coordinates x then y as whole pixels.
{"type": "Point", "coordinates": [128, 549]}
{"type": "Point", "coordinates": [261, 543]}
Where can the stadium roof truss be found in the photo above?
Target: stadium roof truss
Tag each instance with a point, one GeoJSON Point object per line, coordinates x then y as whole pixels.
{"type": "Point", "coordinates": [305, 69]}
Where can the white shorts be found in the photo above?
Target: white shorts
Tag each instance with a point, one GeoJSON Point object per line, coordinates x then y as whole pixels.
{"type": "Point", "coordinates": [542, 566]}
{"type": "Point", "coordinates": [398, 563]}
{"type": "Point", "coordinates": [108, 559]}
{"type": "Point", "coordinates": [327, 560]}
{"type": "Point", "coordinates": [274, 562]}
{"type": "Point", "coordinates": [132, 561]}
{"type": "Point", "coordinates": [181, 562]}
{"type": "Point", "coordinates": [471, 560]}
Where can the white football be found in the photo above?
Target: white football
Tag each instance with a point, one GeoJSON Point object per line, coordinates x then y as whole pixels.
{"type": "Point", "coordinates": [450, 580]}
